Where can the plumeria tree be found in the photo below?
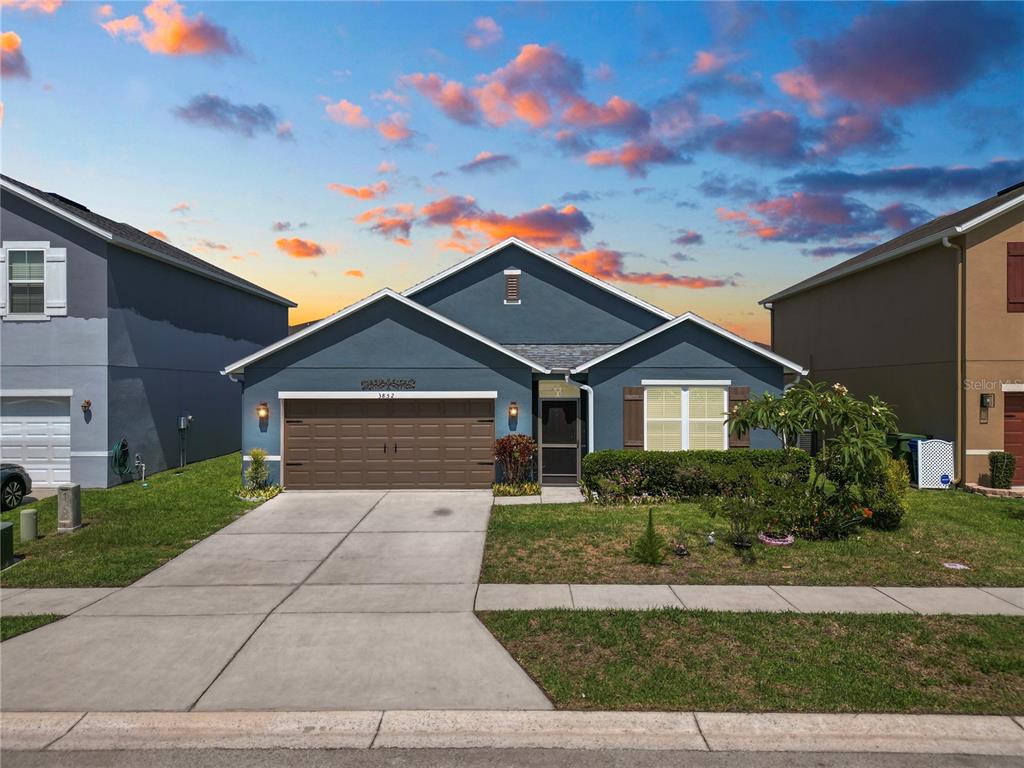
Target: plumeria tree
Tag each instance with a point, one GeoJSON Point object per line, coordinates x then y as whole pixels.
{"type": "Point", "coordinates": [854, 453]}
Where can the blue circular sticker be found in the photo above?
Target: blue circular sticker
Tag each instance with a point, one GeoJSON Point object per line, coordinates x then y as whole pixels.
{"type": "Point", "coordinates": [944, 479]}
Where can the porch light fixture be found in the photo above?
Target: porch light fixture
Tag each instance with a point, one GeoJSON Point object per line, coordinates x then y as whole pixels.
{"type": "Point", "coordinates": [263, 410]}
{"type": "Point", "coordinates": [86, 406]}
{"type": "Point", "coordinates": [513, 409]}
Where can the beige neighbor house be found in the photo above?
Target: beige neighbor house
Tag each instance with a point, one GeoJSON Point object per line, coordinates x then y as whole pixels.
{"type": "Point", "coordinates": [932, 322]}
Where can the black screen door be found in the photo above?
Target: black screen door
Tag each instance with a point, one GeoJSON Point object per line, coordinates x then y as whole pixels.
{"type": "Point", "coordinates": [559, 441]}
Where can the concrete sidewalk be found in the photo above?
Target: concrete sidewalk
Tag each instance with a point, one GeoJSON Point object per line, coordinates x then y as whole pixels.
{"type": "Point", "coordinates": [375, 729]}
{"type": "Point", "coordinates": [964, 601]}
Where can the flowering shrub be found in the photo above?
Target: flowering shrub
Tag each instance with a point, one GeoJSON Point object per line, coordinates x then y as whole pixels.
{"type": "Point", "coordinates": [514, 454]}
{"type": "Point", "coordinates": [852, 469]}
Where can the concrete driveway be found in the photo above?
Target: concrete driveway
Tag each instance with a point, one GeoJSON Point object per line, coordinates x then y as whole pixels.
{"type": "Point", "coordinates": [339, 600]}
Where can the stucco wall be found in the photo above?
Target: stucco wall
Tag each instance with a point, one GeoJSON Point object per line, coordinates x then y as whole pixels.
{"type": "Point", "coordinates": [994, 338]}
{"type": "Point", "coordinates": [557, 307]}
{"type": "Point", "coordinates": [687, 351]}
{"type": "Point", "coordinates": [384, 340]}
{"type": "Point", "coordinates": [65, 352]}
{"type": "Point", "coordinates": [888, 331]}
{"type": "Point", "coordinates": [170, 334]}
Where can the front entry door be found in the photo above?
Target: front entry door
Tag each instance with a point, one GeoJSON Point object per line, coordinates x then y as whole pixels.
{"type": "Point", "coordinates": [559, 442]}
{"type": "Point", "coordinates": [1013, 432]}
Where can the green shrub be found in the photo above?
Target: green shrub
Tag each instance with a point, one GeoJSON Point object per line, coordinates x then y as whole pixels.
{"type": "Point", "coordinates": [649, 549]}
{"type": "Point", "coordinates": [1001, 466]}
{"type": "Point", "coordinates": [886, 496]}
{"type": "Point", "coordinates": [257, 475]}
{"type": "Point", "coordinates": [514, 454]}
{"type": "Point", "coordinates": [629, 476]}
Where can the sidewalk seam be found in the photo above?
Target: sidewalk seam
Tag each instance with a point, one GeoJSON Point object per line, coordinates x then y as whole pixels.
{"type": "Point", "coordinates": [376, 733]}
{"type": "Point", "coordinates": [782, 597]}
{"type": "Point", "coordinates": [263, 621]}
{"type": "Point", "coordinates": [700, 730]}
{"type": "Point", "coordinates": [69, 730]}
{"type": "Point", "coordinates": [886, 594]}
{"type": "Point", "coordinates": [997, 597]}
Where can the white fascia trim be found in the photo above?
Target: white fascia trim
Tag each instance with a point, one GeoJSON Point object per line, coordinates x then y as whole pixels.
{"type": "Point", "coordinates": [547, 257]}
{"type": "Point", "coordinates": [902, 250]}
{"type": "Point", "coordinates": [691, 317]}
{"type": "Point", "coordinates": [138, 248]}
{"type": "Point", "coordinates": [513, 271]}
{"type": "Point", "coordinates": [239, 366]}
{"type": "Point", "coordinates": [89, 454]}
{"type": "Point", "coordinates": [391, 395]}
{"type": "Point", "coordinates": [36, 392]}
{"type": "Point", "coordinates": [247, 457]}
{"type": "Point", "coordinates": [981, 451]}
{"type": "Point", "coordinates": [1013, 387]}
{"type": "Point", "coordinates": [686, 382]}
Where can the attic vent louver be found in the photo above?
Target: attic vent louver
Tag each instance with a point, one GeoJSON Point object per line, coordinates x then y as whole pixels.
{"type": "Point", "coordinates": [512, 295]}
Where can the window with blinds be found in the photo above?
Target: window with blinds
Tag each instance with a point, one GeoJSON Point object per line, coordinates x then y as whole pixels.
{"type": "Point", "coordinates": [685, 418]}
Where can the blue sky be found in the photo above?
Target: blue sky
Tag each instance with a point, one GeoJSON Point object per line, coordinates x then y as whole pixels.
{"type": "Point", "coordinates": [701, 156]}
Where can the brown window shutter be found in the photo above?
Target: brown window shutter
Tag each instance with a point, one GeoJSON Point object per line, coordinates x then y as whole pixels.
{"type": "Point", "coordinates": [632, 417]}
{"type": "Point", "coordinates": [1015, 277]}
{"type": "Point", "coordinates": [738, 396]}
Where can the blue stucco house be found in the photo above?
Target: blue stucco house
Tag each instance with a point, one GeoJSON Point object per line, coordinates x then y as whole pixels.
{"type": "Point", "coordinates": [409, 390]}
{"type": "Point", "coordinates": [111, 336]}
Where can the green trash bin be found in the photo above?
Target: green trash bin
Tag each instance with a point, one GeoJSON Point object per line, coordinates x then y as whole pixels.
{"type": "Point", "coordinates": [6, 544]}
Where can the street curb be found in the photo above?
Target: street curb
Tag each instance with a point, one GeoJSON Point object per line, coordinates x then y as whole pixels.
{"type": "Point", "coordinates": [431, 729]}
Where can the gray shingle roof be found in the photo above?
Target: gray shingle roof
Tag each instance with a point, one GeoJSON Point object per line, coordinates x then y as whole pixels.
{"type": "Point", "coordinates": [932, 228]}
{"type": "Point", "coordinates": [563, 356]}
{"type": "Point", "coordinates": [129, 236]}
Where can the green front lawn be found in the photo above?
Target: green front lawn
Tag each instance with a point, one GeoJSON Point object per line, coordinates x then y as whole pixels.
{"type": "Point", "coordinates": [584, 543]}
{"type": "Point", "coordinates": [128, 530]}
{"type": "Point", "coordinates": [765, 662]}
{"type": "Point", "coordinates": [12, 626]}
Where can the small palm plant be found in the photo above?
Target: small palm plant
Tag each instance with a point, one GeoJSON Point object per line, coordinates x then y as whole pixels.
{"type": "Point", "coordinates": [650, 547]}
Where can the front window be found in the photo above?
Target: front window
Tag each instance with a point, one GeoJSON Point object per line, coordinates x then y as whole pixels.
{"type": "Point", "coordinates": [685, 418]}
{"type": "Point", "coordinates": [25, 282]}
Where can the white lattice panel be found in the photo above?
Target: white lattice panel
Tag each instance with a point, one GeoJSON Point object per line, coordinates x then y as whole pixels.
{"type": "Point", "coordinates": [934, 464]}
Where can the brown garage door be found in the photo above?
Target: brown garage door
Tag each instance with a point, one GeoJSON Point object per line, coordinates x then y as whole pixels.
{"type": "Point", "coordinates": [1013, 432]}
{"type": "Point", "coordinates": [388, 443]}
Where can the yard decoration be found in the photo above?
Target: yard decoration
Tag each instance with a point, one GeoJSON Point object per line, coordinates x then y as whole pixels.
{"type": "Point", "coordinates": [514, 454]}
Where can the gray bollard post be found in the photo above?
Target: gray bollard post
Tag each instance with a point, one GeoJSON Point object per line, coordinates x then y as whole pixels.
{"type": "Point", "coordinates": [29, 525]}
{"type": "Point", "coordinates": [69, 508]}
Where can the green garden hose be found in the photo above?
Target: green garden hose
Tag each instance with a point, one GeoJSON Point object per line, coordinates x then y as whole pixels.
{"type": "Point", "coordinates": [120, 459]}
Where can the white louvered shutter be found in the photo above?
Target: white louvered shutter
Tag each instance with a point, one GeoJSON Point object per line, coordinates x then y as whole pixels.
{"type": "Point", "coordinates": [55, 292]}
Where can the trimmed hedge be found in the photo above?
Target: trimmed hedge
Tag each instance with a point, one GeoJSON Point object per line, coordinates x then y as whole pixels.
{"type": "Point", "coordinates": [1001, 467]}
{"type": "Point", "coordinates": [686, 474]}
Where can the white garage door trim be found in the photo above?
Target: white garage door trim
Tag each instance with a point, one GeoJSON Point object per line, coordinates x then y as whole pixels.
{"type": "Point", "coordinates": [41, 443]}
{"type": "Point", "coordinates": [409, 394]}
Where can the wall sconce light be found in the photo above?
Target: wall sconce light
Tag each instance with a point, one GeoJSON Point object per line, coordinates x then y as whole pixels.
{"type": "Point", "coordinates": [988, 400]}
{"type": "Point", "coordinates": [263, 410]}
{"type": "Point", "coordinates": [86, 406]}
{"type": "Point", "coordinates": [513, 410]}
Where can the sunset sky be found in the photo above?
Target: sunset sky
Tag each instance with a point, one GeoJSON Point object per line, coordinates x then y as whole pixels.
{"type": "Point", "coordinates": [700, 156]}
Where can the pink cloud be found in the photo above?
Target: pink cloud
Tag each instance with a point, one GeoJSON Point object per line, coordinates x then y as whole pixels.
{"type": "Point", "coordinates": [451, 97]}
{"type": "Point", "coordinates": [801, 85]}
{"type": "Point", "coordinates": [386, 166]}
{"type": "Point", "coordinates": [181, 207]}
{"type": "Point", "coordinates": [489, 162]}
{"type": "Point", "coordinates": [617, 115]}
{"type": "Point", "coordinates": [370, 192]}
{"type": "Point", "coordinates": [347, 113]}
{"type": "Point", "coordinates": [159, 235]}
{"type": "Point", "coordinates": [171, 33]}
{"type": "Point", "coordinates": [768, 136]}
{"type": "Point", "coordinates": [546, 226]}
{"type": "Point", "coordinates": [710, 62]}
{"type": "Point", "coordinates": [635, 157]}
{"type": "Point", "coordinates": [608, 264]}
{"type": "Point", "coordinates": [394, 222]}
{"type": "Point", "coordinates": [38, 6]}
{"type": "Point", "coordinates": [688, 237]}
{"type": "Point", "coordinates": [394, 128]}
{"type": "Point", "coordinates": [354, 273]}
{"type": "Point", "coordinates": [12, 57]}
{"type": "Point", "coordinates": [854, 131]}
{"type": "Point", "coordinates": [901, 53]}
{"type": "Point", "coordinates": [298, 248]}
{"type": "Point", "coordinates": [485, 32]}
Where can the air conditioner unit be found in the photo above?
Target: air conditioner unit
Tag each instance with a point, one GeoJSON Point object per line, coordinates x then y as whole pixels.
{"type": "Point", "coordinates": [933, 463]}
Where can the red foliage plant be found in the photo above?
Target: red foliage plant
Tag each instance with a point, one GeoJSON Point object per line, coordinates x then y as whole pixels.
{"type": "Point", "coordinates": [514, 453]}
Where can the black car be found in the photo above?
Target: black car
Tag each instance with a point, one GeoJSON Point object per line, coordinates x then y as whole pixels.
{"type": "Point", "coordinates": [14, 484]}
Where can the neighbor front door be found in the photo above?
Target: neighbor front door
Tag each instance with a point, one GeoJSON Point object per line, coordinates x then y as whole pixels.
{"type": "Point", "coordinates": [559, 442]}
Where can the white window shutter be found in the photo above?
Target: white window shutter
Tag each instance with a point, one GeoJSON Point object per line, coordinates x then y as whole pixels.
{"type": "Point", "coordinates": [3, 282]}
{"type": "Point", "coordinates": [55, 292]}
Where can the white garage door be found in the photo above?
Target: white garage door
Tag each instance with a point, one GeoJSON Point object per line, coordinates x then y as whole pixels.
{"type": "Point", "coordinates": [36, 433]}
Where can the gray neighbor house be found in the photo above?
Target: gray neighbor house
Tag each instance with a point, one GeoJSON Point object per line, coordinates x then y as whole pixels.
{"type": "Point", "coordinates": [109, 336]}
{"type": "Point", "coordinates": [410, 390]}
